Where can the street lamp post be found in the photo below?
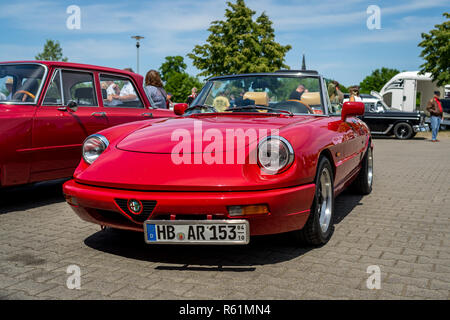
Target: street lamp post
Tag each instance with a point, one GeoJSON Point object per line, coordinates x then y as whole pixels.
{"type": "Point", "coordinates": [137, 49]}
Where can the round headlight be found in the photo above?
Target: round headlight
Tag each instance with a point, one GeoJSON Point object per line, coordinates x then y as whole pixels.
{"type": "Point", "coordinates": [93, 147]}
{"type": "Point", "coordinates": [275, 154]}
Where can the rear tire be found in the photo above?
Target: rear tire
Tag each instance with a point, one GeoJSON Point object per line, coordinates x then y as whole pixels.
{"type": "Point", "coordinates": [403, 131]}
{"type": "Point", "coordinates": [319, 226]}
{"type": "Point", "coordinates": [364, 180]}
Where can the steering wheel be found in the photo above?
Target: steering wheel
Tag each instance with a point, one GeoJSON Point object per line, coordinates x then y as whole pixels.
{"type": "Point", "coordinates": [310, 110]}
{"type": "Point", "coordinates": [25, 93]}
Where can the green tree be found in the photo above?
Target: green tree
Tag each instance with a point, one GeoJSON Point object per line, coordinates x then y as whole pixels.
{"type": "Point", "coordinates": [52, 52]}
{"type": "Point", "coordinates": [239, 45]}
{"type": "Point", "coordinates": [436, 52]}
{"type": "Point", "coordinates": [377, 79]}
{"type": "Point", "coordinates": [172, 64]}
{"type": "Point", "coordinates": [177, 80]}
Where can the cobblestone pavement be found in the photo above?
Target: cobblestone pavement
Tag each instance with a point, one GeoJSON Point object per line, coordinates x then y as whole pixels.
{"type": "Point", "coordinates": [403, 227]}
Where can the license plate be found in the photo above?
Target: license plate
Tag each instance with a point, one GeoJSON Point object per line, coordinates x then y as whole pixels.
{"type": "Point", "coordinates": [197, 232]}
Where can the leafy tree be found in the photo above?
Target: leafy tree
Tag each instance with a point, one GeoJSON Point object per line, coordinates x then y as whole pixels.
{"type": "Point", "coordinates": [436, 52]}
{"type": "Point", "coordinates": [52, 52]}
{"type": "Point", "coordinates": [172, 64]}
{"type": "Point", "coordinates": [177, 80]}
{"type": "Point", "coordinates": [239, 44]}
{"type": "Point", "coordinates": [377, 79]}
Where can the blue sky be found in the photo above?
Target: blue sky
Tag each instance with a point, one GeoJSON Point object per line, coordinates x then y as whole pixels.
{"type": "Point", "coordinates": [332, 34]}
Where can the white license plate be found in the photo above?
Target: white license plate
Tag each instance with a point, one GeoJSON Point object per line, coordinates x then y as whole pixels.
{"type": "Point", "coordinates": [197, 232]}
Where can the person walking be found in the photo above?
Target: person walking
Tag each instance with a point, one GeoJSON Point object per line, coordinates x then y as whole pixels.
{"type": "Point", "coordinates": [434, 107]}
{"type": "Point", "coordinates": [155, 88]}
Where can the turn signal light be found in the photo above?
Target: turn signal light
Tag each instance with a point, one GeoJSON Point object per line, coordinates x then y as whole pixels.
{"type": "Point", "coordinates": [248, 210]}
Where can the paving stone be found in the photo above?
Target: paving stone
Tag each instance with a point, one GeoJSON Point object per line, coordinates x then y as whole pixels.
{"type": "Point", "coordinates": [31, 287]}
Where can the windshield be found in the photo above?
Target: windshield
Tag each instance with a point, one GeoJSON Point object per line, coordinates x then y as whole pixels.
{"type": "Point", "coordinates": [20, 83]}
{"type": "Point", "coordinates": [260, 93]}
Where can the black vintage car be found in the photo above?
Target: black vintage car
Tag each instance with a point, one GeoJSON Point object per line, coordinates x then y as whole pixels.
{"type": "Point", "coordinates": [388, 121]}
{"type": "Point", "coordinates": [383, 120]}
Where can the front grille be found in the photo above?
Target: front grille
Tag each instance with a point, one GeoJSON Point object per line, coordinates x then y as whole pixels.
{"type": "Point", "coordinates": [189, 217]}
{"type": "Point", "coordinates": [149, 206]}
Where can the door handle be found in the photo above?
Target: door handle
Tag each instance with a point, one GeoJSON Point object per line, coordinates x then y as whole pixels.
{"type": "Point", "coordinates": [147, 114]}
{"type": "Point", "coordinates": [99, 114]}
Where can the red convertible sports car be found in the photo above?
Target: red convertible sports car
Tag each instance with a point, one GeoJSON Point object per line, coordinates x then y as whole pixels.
{"type": "Point", "coordinates": [255, 154]}
{"type": "Point", "coordinates": [47, 109]}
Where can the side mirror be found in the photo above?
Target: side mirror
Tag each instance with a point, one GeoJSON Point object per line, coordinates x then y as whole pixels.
{"type": "Point", "coordinates": [180, 108]}
{"type": "Point", "coordinates": [351, 109]}
{"type": "Point", "coordinates": [72, 106]}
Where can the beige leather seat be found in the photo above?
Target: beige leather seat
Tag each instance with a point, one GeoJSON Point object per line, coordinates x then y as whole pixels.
{"type": "Point", "coordinates": [260, 98]}
{"type": "Point", "coordinates": [311, 98]}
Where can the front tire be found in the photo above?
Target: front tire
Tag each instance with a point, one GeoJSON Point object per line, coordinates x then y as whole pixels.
{"type": "Point", "coordinates": [319, 226]}
{"type": "Point", "coordinates": [364, 180]}
{"type": "Point", "coordinates": [403, 131]}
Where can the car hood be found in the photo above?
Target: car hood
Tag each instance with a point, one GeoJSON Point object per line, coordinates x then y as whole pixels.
{"type": "Point", "coordinates": [197, 132]}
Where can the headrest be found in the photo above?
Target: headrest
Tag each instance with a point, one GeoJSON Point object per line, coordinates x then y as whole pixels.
{"type": "Point", "coordinates": [311, 98]}
{"type": "Point", "coordinates": [84, 93]}
{"type": "Point", "coordinates": [260, 98]}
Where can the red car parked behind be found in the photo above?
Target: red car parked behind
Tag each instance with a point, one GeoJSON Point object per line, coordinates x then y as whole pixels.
{"type": "Point", "coordinates": [47, 109]}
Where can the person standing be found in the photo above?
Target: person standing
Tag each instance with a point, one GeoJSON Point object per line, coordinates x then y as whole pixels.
{"type": "Point", "coordinates": [192, 96]}
{"type": "Point", "coordinates": [434, 107]}
{"type": "Point", "coordinates": [155, 89]}
{"type": "Point", "coordinates": [334, 92]}
{"type": "Point", "coordinates": [354, 94]}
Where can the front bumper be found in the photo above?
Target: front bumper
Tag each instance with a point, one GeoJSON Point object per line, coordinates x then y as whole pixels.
{"type": "Point", "coordinates": [421, 128]}
{"type": "Point", "coordinates": [288, 208]}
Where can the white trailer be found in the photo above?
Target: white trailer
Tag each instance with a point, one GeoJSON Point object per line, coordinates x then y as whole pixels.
{"type": "Point", "coordinates": [405, 88]}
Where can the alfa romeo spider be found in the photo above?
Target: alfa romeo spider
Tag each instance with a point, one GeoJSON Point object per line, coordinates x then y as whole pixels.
{"type": "Point", "coordinates": [254, 154]}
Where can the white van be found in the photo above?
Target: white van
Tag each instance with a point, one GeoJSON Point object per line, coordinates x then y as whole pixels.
{"type": "Point", "coordinates": [410, 91]}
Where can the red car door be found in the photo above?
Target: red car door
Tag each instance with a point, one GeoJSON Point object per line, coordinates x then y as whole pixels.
{"type": "Point", "coordinates": [20, 88]}
{"type": "Point", "coordinates": [15, 142]}
{"type": "Point", "coordinates": [122, 102]}
{"type": "Point", "coordinates": [58, 131]}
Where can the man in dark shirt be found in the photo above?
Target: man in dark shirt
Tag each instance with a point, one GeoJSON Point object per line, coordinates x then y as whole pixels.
{"type": "Point", "coordinates": [297, 93]}
{"type": "Point", "coordinates": [434, 107]}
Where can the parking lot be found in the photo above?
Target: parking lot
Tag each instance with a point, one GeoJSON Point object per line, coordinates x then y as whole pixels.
{"type": "Point", "coordinates": [403, 227]}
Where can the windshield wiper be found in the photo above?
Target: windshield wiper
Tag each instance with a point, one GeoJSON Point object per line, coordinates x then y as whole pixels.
{"type": "Point", "coordinates": [261, 108]}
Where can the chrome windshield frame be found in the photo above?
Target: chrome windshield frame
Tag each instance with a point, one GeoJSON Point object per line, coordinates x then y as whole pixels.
{"type": "Point", "coordinates": [209, 84]}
